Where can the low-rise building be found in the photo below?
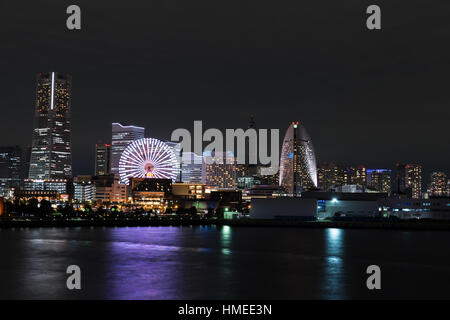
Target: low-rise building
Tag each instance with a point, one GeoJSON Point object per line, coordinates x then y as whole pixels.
{"type": "Point", "coordinates": [188, 190]}
{"type": "Point", "coordinates": [150, 193]}
{"type": "Point", "coordinates": [84, 192]}
{"type": "Point", "coordinates": [284, 208]}
{"type": "Point", "coordinates": [412, 208]}
{"type": "Point", "coordinates": [108, 189]}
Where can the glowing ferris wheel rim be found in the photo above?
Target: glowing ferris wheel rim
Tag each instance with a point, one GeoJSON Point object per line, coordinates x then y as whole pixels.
{"type": "Point", "coordinates": [148, 158]}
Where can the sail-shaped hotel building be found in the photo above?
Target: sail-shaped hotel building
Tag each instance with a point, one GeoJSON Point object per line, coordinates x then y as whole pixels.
{"type": "Point", "coordinates": [298, 171]}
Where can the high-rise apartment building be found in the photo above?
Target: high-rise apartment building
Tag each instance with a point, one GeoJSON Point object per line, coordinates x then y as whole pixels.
{"type": "Point", "coordinates": [220, 170]}
{"type": "Point", "coordinates": [331, 176]}
{"type": "Point", "coordinates": [102, 159]}
{"type": "Point", "coordinates": [379, 180]}
{"type": "Point", "coordinates": [51, 156]}
{"type": "Point", "coordinates": [357, 176]}
{"type": "Point", "coordinates": [438, 184]}
{"type": "Point", "coordinates": [122, 136]}
{"type": "Point", "coordinates": [409, 180]}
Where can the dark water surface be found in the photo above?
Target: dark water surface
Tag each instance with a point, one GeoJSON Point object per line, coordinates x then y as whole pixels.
{"type": "Point", "coordinates": [222, 263]}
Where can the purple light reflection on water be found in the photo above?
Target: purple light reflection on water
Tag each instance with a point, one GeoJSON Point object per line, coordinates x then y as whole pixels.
{"type": "Point", "coordinates": [156, 270]}
{"type": "Point", "coordinates": [221, 263]}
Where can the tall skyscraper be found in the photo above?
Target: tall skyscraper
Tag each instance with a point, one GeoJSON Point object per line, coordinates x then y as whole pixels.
{"type": "Point", "coordinates": [220, 173]}
{"type": "Point", "coordinates": [379, 180]}
{"type": "Point", "coordinates": [409, 180]}
{"type": "Point", "coordinates": [102, 159]}
{"type": "Point", "coordinates": [121, 137]}
{"type": "Point", "coordinates": [10, 169]}
{"type": "Point", "coordinates": [51, 156]}
{"type": "Point", "coordinates": [298, 170]}
{"type": "Point", "coordinates": [438, 184]}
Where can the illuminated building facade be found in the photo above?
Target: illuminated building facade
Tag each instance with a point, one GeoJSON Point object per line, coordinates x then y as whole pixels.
{"type": "Point", "coordinates": [439, 185]}
{"type": "Point", "coordinates": [246, 182]}
{"type": "Point", "coordinates": [380, 180]}
{"type": "Point", "coordinates": [357, 176]}
{"type": "Point", "coordinates": [189, 190]}
{"type": "Point", "coordinates": [220, 170]}
{"type": "Point", "coordinates": [121, 137]}
{"type": "Point", "coordinates": [268, 179]}
{"type": "Point", "coordinates": [10, 169]}
{"type": "Point", "coordinates": [83, 191]}
{"type": "Point", "coordinates": [49, 195]}
{"type": "Point", "coordinates": [193, 169]}
{"type": "Point", "coordinates": [151, 193]}
{"type": "Point", "coordinates": [151, 185]}
{"type": "Point", "coordinates": [331, 176]}
{"type": "Point", "coordinates": [58, 185]}
{"type": "Point", "coordinates": [51, 156]}
{"type": "Point", "coordinates": [107, 189]}
{"type": "Point", "coordinates": [298, 171]}
{"type": "Point", "coordinates": [409, 180]}
{"type": "Point", "coordinates": [102, 159]}
{"type": "Point", "coordinates": [414, 179]}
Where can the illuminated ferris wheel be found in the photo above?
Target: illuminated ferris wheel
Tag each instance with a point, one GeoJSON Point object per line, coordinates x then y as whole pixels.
{"type": "Point", "coordinates": [148, 158]}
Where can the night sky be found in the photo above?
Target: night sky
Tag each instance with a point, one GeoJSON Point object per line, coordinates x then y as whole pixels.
{"type": "Point", "coordinates": [365, 97]}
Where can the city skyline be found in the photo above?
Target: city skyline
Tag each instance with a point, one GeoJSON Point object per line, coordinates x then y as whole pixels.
{"type": "Point", "coordinates": [83, 167]}
{"type": "Point", "coordinates": [134, 132]}
{"type": "Point", "coordinates": [53, 106]}
{"type": "Point", "coordinates": [218, 153]}
{"type": "Point", "coordinates": [377, 93]}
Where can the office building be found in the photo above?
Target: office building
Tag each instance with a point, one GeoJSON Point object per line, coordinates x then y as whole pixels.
{"type": "Point", "coordinates": [51, 156]}
{"type": "Point", "coordinates": [122, 136]}
{"type": "Point", "coordinates": [193, 168]}
{"type": "Point", "coordinates": [102, 159]}
{"type": "Point", "coordinates": [84, 189]}
{"type": "Point", "coordinates": [58, 185]}
{"type": "Point", "coordinates": [10, 169]}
